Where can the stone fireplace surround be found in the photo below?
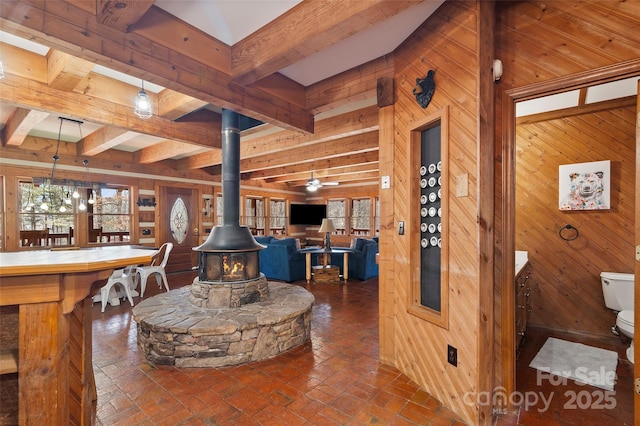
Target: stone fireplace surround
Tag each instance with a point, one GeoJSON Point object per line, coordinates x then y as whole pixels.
{"type": "Point", "coordinates": [174, 331]}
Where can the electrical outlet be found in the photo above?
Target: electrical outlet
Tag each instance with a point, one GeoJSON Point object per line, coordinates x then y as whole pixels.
{"type": "Point", "coordinates": [452, 355]}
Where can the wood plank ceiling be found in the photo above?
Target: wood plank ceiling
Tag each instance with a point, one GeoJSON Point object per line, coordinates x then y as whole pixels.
{"type": "Point", "coordinates": [329, 127]}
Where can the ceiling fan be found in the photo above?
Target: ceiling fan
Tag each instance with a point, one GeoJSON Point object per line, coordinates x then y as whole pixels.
{"type": "Point", "coordinates": [313, 184]}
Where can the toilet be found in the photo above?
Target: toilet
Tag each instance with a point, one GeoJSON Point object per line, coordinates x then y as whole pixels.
{"type": "Point", "coordinates": [618, 296]}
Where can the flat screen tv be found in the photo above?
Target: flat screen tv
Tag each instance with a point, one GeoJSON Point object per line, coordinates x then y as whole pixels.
{"type": "Point", "coordinates": [307, 214]}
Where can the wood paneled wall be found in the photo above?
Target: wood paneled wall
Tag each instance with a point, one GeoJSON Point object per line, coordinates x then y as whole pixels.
{"type": "Point", "coordinates": [541, 41]}
{"type": "Point", "coordinates": [116, 167]}
{"type": "Point", "coordinates": [567, 294]}
{"type": "Point", "coordinates": [446, 43]}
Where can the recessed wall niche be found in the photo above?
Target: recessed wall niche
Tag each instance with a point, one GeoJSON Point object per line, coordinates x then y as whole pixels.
{"type": "Point", "coordinates": [429, 213]}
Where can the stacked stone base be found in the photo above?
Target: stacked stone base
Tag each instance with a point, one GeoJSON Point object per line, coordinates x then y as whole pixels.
{"type": "Point", "coordinates": [174, 331]}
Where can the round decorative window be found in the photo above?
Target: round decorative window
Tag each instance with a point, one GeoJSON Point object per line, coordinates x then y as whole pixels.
{"type": "Point", "coordinates": [179, 221]}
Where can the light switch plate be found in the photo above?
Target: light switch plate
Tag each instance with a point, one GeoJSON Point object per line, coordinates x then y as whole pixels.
{"type": "Point", "coordinates": [386, 182]}
{"type": "Point", "coordinates": [462, 185]}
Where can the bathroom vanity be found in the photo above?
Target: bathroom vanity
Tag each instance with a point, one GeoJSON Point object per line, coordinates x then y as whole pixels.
{"type": "Point", "coordinates": [523, 295]}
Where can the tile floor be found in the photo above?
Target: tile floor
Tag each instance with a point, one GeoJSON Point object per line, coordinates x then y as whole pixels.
{"type": "Point", "coordinates": [335, 379]}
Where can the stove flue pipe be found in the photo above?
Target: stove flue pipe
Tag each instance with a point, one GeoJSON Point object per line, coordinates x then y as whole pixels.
{"type": "Point", "coordinates": [230, 168]}
{"type": "Point", "coordinates": [230, 237]}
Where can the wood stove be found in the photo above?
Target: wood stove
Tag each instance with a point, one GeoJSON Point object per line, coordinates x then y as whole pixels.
{"type": "Point", "coordinates": [230, 253]}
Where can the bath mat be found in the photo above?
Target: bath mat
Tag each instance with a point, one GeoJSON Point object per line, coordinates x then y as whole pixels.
{"type": "Point", "coordinates": [586, 364]}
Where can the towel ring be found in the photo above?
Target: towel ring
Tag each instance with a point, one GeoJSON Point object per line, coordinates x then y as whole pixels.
{"type": "Point", "coordinates": [571, 237]}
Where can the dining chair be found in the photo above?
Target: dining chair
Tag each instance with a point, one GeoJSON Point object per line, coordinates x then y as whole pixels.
{"type": "Point", "coordinates": [122, 278]}
{"type": "Point", "coordinates": [144, 272]}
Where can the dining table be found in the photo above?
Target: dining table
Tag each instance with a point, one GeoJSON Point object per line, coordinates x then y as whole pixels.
{"type": "Point", "coordinates": [53, 359]}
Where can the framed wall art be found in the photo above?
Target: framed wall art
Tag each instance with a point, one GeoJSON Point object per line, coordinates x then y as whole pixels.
{"type": "Point", "coordinates": [585, 186]}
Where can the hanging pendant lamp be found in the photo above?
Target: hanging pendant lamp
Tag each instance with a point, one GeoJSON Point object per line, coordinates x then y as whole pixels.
{"type": "Point", "coordinates": [143, 104]}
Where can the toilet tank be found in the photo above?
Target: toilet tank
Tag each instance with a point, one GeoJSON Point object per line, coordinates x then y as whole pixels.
{"type": "Point", "coordinates": [618, 290]}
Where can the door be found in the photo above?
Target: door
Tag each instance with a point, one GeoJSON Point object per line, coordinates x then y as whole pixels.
{"type": "Point", "coordinates": [179, 218]}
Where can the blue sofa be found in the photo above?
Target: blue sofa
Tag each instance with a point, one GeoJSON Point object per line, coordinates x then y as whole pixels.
{"type": "Point", "coordinates": [281, 260]}
{"type": "Point", "coordinates": [362, 262]}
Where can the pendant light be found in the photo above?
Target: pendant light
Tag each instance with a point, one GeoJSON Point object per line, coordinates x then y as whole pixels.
{"type": "Point", "coordinates": [143, 104]}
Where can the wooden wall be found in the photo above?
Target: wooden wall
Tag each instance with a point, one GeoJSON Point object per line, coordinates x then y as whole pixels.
{"type": "Point", "coordinates": [541, 41]}
{"type": "Point", "coordinates": [446, 43]}
{"type": "Point", "coordinates": [567, 294]}
{"type": "Point", "coordinates": [117, 167]}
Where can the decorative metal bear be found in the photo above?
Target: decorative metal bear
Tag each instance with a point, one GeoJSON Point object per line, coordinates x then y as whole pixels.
{"type": "Point", "coordinates": [424, 89]}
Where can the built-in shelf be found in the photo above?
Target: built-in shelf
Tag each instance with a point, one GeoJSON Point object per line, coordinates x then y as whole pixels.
{"type": "Point", "coordinates": [8, 361]}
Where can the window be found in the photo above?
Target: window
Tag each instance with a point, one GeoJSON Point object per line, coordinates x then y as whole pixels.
{"type": "Point", "coordinates": [46, 215]}
{"type": "Point", "coordinates": [277, 217]}
{"type": "Point", "coordinates": [361, 216]}
{"type": "Point", "coordinates": [254, 215]}
{"type": "Point", "coordinates": [336, 211]}
{"type": "Point", "coordinates": [219, 210]}
{"type": "Point", "coordinates": [109, 215]}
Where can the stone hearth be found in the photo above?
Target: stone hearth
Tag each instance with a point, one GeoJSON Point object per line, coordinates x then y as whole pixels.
{"type": "Point", "coordinates": [174, 331]}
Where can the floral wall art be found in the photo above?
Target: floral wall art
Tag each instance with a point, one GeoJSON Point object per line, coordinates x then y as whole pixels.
{"type": "Point", "coordinates": [585, 186]}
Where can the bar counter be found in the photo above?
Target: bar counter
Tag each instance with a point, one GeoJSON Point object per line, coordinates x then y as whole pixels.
{"type": "Point", "coordinates": [52, 288]}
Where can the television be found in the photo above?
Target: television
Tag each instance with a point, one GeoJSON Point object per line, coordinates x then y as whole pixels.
{"type": "Point", "coordinates": [307, 214]}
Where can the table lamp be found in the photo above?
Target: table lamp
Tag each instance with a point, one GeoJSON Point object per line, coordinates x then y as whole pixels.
{"type": "Point", "coordinates": [327, 227]}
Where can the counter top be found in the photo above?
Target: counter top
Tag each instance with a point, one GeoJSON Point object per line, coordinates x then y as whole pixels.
{"type": "Point", "coordinates": [49, 262]}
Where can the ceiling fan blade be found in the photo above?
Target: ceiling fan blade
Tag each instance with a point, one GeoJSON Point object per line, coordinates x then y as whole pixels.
{"type": "Point", "coordinates": [330, 184]}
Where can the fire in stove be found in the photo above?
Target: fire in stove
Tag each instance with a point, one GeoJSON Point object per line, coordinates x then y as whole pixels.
{"type": "Point", "coordinates": [224, 267]}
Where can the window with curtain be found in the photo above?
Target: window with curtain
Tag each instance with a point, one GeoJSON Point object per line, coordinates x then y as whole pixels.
{"type": "Point", "coordinates": [254, 215]}
{"type": "Point", "coordinates": [361, 216]}
{"type": "Point", "coordinates": [277, 217]}
{"type": "Point", "coordinates": [336, 211]}
{"type": "Point", "coordinates": [219, 222]}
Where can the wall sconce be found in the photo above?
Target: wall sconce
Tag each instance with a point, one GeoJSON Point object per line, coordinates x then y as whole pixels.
{"type": "Point", "coordinates": [497, 70]}
{"type": "Point", "coordinates": [207, 208]}
{"type": "Point", "coordinates": [143, 104]}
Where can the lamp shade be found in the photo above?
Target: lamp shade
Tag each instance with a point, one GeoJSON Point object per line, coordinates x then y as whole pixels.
{"type": "Point", "coordinates": [327, 226]}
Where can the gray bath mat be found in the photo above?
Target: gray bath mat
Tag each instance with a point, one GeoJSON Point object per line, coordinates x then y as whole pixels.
{"type": "Point", "coordinates": [586, 364]}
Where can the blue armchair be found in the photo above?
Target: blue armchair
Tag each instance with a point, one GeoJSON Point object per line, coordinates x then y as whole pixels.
{"type": "Point", "coordinates": [362, 262]}
{"type": "Point", "coordinates": [280, 260]}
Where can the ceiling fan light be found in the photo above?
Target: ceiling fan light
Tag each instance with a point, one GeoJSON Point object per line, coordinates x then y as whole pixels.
{"type": "Point", "coordinates": [312, 188]}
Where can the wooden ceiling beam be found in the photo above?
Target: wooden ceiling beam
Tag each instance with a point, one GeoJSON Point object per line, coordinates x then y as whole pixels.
{"type": "Point", "coordinates": [19, 124]}
{"type": "Point", "coordinates": [367, 176]}
{"type": "Point", "coordinates": [121, 14]}
{"type": "Point", "coordinates": [173, 105]}
{"type": "Point", "coordinates": [65, 72]}
{"type": "Point", "coordinates": [163, 151]}
{"type": "Point", "coordinates": [352, 123]}
{"type": "Point", "coordinates": [29, 94]}
{"type": "Point", "coordinates": [350, 169]}
{"type": "Point", "coordinates": [316, 25]}
{"type": "Point", "coordinates": [329, 149]}
{"type": "Point", "coordinates": [67, 26]}
{"type": "Point", "coordinates": [104, 138]}
{"type": "Point", "coordinates": [354, 85]}
{"type": "Point", "coordinates": [369, 157]}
